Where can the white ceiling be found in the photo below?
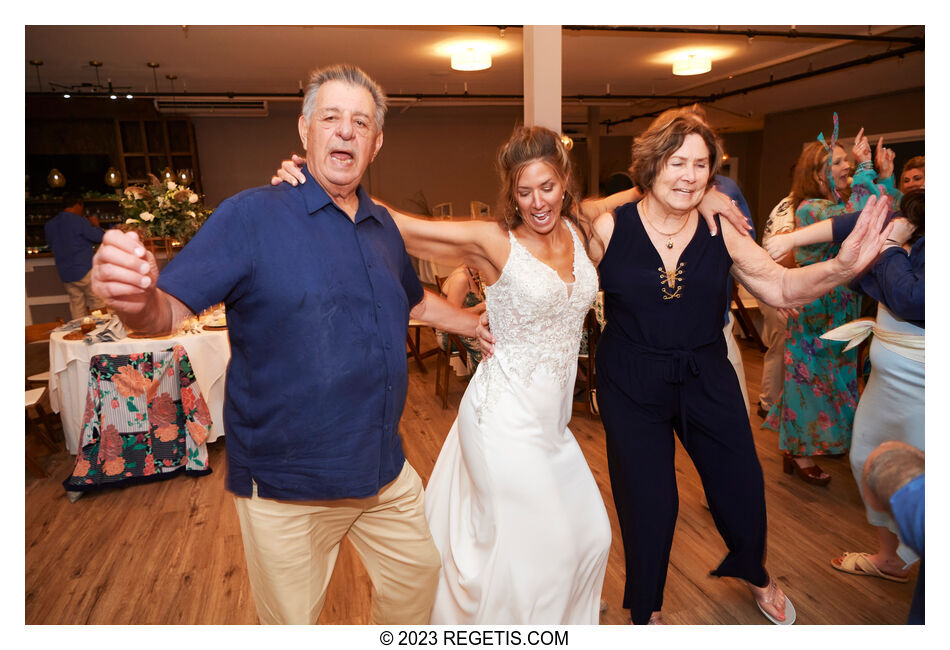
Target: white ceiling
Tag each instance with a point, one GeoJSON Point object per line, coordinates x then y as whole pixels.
{"type": "Point", "coordinates": [405, 61]}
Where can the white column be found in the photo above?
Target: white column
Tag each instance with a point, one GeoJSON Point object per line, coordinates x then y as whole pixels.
{"type": "Point", "coordinates": [542, 76]}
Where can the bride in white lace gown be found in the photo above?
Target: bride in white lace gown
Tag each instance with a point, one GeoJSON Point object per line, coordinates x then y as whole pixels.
{"type": "Point", "coordinates": [514, 510]}
{"type": "Point", "coordinates": [512, 504]}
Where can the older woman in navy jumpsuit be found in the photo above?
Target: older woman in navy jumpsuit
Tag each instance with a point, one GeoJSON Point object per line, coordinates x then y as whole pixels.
{"type": "Point", "coordinates": [662, 364]}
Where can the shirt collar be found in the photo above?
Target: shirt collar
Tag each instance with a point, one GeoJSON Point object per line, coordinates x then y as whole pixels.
{"type": "Point", "coordinates": [316, 198]}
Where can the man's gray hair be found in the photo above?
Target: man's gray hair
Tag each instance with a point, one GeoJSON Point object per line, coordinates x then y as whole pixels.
{"type": "Point", "coordinates": [349, 74]}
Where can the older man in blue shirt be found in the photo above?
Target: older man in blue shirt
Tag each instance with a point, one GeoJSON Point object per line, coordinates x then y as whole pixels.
{"type": "Point", "coordinates": [319, 291]}
{"type": "Point", "coordinates": [71, 237]}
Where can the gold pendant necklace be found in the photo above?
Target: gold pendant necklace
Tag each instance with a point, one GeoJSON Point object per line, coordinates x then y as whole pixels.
{"type": "Point", "coordinates": [669, 235]}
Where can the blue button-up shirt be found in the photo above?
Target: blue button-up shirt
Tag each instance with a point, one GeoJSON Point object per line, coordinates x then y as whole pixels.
{"type": "Point", "coordinates": [71, 238]}
{"type": "Point", "coordinates": [318, 309]}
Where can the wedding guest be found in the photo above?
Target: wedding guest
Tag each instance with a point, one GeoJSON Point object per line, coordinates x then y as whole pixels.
{"type": "Point", "coordinates": [319, 291]}
{"type": "Point", "coordinates": [815, 413]}
{"type": "Point", "coordinates": [662, 364]}
{"type": "Point", "coordinates": [72, 239]}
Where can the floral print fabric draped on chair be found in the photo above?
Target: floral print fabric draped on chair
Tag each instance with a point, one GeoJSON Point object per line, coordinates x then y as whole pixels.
{"type": "Point", "coordinates": [145, 420]}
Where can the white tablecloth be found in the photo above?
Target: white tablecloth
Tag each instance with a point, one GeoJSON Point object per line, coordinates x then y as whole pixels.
{"type": "Point", "coordinates": [208, 351]}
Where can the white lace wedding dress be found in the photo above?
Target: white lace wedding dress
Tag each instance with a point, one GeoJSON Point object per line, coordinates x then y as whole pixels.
{"type": "Point", "coordinates": [512, 505]}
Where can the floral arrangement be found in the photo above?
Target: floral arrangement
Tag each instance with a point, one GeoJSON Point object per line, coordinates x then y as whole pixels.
{"type": "Point", "coordinates": [163, 209]}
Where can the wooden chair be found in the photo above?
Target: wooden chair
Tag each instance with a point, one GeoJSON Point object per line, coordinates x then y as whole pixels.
{"type": "Point", "coordinates": [443, 365]}
{"type": "Point", "coordinates": [745, 320]}
{"type": "Point", "coordinates": [586, 362]}
{"type": "Point", "coordinates": [38, 380]}
{"type": "Point", "coordinates": [442, 210]}
{"type": "Point", "coordinates": [40, 331]}
{"type": "Point", "coordinates": [479, 210]}
{"type": "Point", "coordinates": [36, 425]}
{"type": "Point", "coordinates": [413, 342]}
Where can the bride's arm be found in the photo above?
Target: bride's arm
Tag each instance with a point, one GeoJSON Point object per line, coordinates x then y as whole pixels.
{"type": "Point", "coordinates": [447, 242]}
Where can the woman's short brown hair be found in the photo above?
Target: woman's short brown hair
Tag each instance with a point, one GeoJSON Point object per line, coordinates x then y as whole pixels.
{"type": "Point", "coordinates": [526, 145]}
{"type": "Point", "coordinates": [654, 146]}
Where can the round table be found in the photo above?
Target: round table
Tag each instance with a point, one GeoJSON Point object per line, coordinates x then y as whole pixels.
{"type": "Point", "coordinates": [209, 352]}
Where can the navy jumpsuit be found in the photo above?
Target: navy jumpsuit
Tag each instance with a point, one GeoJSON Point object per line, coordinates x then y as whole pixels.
{"type": "Point", "coordinates": [662, 367]}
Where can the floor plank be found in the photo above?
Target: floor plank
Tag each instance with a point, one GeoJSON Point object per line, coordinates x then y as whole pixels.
{"type": "Point", "coordinates": [171, 552]}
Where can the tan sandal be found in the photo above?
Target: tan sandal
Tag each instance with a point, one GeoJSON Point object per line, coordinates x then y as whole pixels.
{"type": "Point", "coordinates": [860, 565]}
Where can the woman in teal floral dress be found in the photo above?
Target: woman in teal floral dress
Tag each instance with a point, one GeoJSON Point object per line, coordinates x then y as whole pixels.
{"type": "Point", "coordinates": [815, 413]}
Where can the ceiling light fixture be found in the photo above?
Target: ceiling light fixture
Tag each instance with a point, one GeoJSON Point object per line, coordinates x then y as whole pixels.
{"type": "Point", "coordinates": [470, 59]}
{"type": "Point", "coordinates": [690, 64]}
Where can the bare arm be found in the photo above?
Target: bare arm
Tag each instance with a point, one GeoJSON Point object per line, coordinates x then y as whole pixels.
{"type": "Point", "coordinates": [593, 208]}
{"type": "Point", "coordinates": [783, 287]}
{"type": "Point", "coordinates": [603, 230]}
{"type": "Point", "coordinates": [436, 311]}
{"type": "Point", "coordinates": [124, 275]}
{"type": "Point", "coordinates": [450, 243]}
{"type": "Point", "coordinates": [781, 245]}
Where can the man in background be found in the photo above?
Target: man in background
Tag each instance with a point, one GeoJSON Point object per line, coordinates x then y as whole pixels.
{"type": "Point", "coordinates": [72, 237]}
{"type": "Point", "coordinates": [893, 481]}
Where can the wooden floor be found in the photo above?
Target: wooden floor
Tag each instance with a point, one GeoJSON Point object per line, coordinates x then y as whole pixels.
{"type": "Point", "coordinates": [171, 553]}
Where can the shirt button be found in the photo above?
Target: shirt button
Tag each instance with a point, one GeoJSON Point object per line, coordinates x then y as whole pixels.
{"type": "Point", "coordinates": [387, 346]}
{"type": "Point", "coordinates": [379, 305]}
{"type": "Point", "coordinates": [389, 387]}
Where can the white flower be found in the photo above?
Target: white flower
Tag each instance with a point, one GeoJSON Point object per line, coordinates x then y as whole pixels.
{"type": "Point", "coordinates": [171, 185]}
{"type": "Point", "coordinates": [192, 198]}
{"type": "Point", "coordinates": [190, 214]}
{"type": "Point", "coordinates": [132, 221]}
{"type": "Point", "coordinates": [147, 216]}
{"type": "Point", "coordinates": [162, 201]}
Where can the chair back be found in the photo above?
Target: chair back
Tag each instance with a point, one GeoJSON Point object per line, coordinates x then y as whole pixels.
{"type": "Point", "coordinates": [41, 331]}
{"type": "Point", "coordinates": [145, 419]}
{"type": "Point", "coordinates": [479, 210]}
{"type": "Point", "coordinates": [442, 210]}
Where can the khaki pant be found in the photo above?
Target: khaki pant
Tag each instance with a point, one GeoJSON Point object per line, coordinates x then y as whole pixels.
{"type": "Point", "coordinates": [735, 358]}
{"type": "Point", "coordinates": [774, 328]}
{"type": "Point", "coordinates": [291, 547]}
{"type": "Point", "coordinates": [81, 298]}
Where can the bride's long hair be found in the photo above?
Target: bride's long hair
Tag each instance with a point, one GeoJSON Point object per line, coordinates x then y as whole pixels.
{"type": "Point", "coordinates": [526, 145]}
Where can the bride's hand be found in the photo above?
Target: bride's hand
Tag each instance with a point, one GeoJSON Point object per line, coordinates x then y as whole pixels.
{"type": "Point", "coordinates": [486, 340]}
{"type": "Point", "coordinates": [290, 171]}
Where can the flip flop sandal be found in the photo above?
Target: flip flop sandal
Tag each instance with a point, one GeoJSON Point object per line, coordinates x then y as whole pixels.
{"type": "Point", "coordinates": [858, 564]}
{"type": "Point", "coordinates": [790, 613]}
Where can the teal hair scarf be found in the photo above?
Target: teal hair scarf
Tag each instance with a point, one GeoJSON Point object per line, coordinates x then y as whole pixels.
{"type": "Point", "coordinates": [831, 154]}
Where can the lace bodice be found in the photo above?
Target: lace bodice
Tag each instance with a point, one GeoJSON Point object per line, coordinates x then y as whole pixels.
{"type": "Point", "coordinates": [536, 317]}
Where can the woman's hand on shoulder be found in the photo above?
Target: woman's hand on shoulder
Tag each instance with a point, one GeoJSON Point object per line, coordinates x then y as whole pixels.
{"type": "Point", "coordinates": [290, 171]}
{"type": "Point", "coordinates": [715, 202]}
